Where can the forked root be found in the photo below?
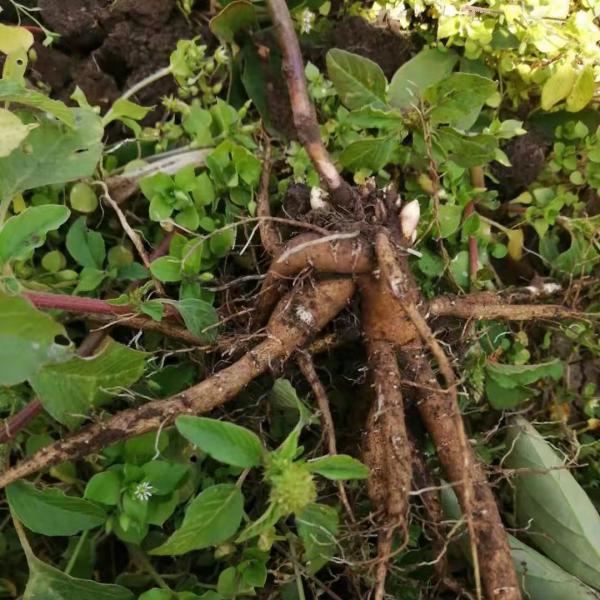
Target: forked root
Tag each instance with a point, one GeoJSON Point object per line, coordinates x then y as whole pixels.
{"type": "Point", "coordinates": [443, 421]}
{"type": "Point", "coordinates": [297, 318]}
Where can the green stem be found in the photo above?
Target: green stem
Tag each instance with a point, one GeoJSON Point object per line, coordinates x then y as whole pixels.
{"type": "Point", "coordinates": [76, 552]}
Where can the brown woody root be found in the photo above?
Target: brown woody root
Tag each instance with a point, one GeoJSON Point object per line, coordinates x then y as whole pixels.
{"type": "Point", "coordinates": [269, 234]}
{"type": "Point", "coordinates": [305, 118]}
{"type": "Point", "coordinates": [342, 256]}
{"type": "Point", "coordinates": [444, 423]}
{"type": "Point", "coordinates": [387, 449]}
{"type": "Point", "coordinates": [298, 317]}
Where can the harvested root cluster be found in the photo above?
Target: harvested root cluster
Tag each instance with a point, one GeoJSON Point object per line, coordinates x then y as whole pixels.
{"type": "Point", "coordinates": [311, 278]}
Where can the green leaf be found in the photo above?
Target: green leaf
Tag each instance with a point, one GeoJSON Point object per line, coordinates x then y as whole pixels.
{"type": "Point", "coordinates": [210, 519]}
{"type": "Point", "coordinates": [69, 390]}
{"type": "Point", "coordinates": [104, 488]}
{"type": "Point", "coordinates": [449, 217]}
{"type": "Point", "coordinates": [14, 91]}
{"type": "Point", "coordinates": [86, 246]}
{"type": "Point", "coordinates": [26, 231]}
{"type": "Point", "coordinates": [358, 81]}
{"type": "Point", "coordinates": [338, 467]}
{"type": "Point", "coordinates": [26, 340]}
{"type": "Point", "coordinates": [51, 512]}
{"type": "Point", "coordinates": [558, 86]}
{"type": "Point", "coordinates": [468, 150]}
{"type": "Point", "coordinates": [12, 132]}
{"type": "Point", "coordinates": [235, 17]}
{"type": "Point", "coordinates": [583, 90]}
{"type": "Point", "coordinates": [540, 578]}
{"type": "Point", "coordinates": [166, 269]}
{"type": "Point", "coordinates": [125, 110]}
{"type": "Point", "coordinates": [503, 398]}
{"type": "Point", "coordinates": [423, 70]}
{"type": "Point", "coordinates": [318, 526]}
{"type": "Point", "coordinates": [53, 154]}
{"type": "Point", "coordinates": [457, 96]}
{"type": "Point", "coordinates": [226, 442]}
{"type": "Point", "coordinates": [197, 124]}
{"type": "Point", "coordinates": [369, 117]}
{"type": "Point", "coordinates": [459, 267]}
{"type": "Point", "coordinates": [559, 517]}
{"type": "Point", "coordinates": [510, 376]}
{"type": "Point", "coordinates": [14, 38]}
{"type": "Point", "coordinates": [47, 583]}
{"type": "Point", "coordinates": [263, 524]}
{"type": "Point", "coordinates": [199, 317]}
{"type": "Point", "coordinates": [369, 153]}
{"type": "Point", "coordinates": [89, 279]}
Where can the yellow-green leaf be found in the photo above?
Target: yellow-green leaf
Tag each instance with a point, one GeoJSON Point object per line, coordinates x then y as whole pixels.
{"type": "Point", "coordinates": [12, 132]}
{"type": "Point", "coordinates": [515, 244]}
{"type": "Point", "coordinates": [559, 86]}
{"type": "Point", "coordinates": [583, 90]}
{"type": "Point", "coordinates": [14, 38]}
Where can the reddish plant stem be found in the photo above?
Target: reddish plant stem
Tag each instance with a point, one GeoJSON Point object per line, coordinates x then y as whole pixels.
{"type": "Point", "coordinates": [89, 345]}
{"type": "Point", "coordinates": [477, 181]}
{"type": "Point", "coordinates": [75, 304]}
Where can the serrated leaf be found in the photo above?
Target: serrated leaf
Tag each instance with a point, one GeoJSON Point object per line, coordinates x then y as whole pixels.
{"type": "Point", "coordinates": [369, 153]}
{"type": "Point", "coordinates": [459, 96]}
{"type": "Point", "coordinates": [210, 519]}
{"type": "Point", "coordinates": [14, 91]}
{"type": "Point", "coordinates": [540, 578]}
{"type": "Point", "coordinates": [358, 81]}
{"type": "Point", "coordinates": [50, 511]}
{"type": "Point", "coordinates": [423, 70]}
{"type": "Point", "coordinates": [338, 467]}
{"type": "Point", "coordinates": [69, 390]}
{"type": "Point", "coordinates": [26, 231]}
{"type": "Point", "coordinates": [317, 527]}
{"type": "Point", "coordinates": [12, 132]}
{"type": "Point", "coordinates": [226, 442]}
{"type": "Point", "coordinates": [27, 340]}
{"type": "Point", "coordinates": [559, 517]}
{"type": "Point", "coordinates": [558, 86]}
{"type": "Point", "coordinates": [47, 583]}
{"type": "Point", "coordinates": [200, 318]}
{"type": "Point", "coordinates": [583, 90]}
{"type": "Point", "coordinates": [53, 154]}
{"type": "Point", "coordinates": [87, 247]}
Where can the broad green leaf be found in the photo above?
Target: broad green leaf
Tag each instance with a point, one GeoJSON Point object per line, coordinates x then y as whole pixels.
{"type": "Point", "coordinates": [369, 153]}
{"type": "Point", "coordinates": [14, 91]}
{"type": "Point", "coordinates": [236, 16]}
{"type": "Point", "coordinates": [359, 81]}
{"type": "Point", "coordinates": [459, 268]}
{"type": "Point", "coordinates": [263, 524]}
{"type": "Point", "coordinates": [125, 109]}
{"type": "Point", "coordinates": [376, 118]}
{"type": "Point", "coordinates": [53, 154]}
{"type": "Point", "coordinates": [423, 70]}
{"type": "Point", "coordinates": [12, 132]}
{"type": "Point", "coordinates": [338, 467]}
{"type": "Point", "coordinates": [287, 410]}
{"type": "Point", "coordinates": [164, 476]}
{"type": "Point", "coordinates": [511, 376]}
{"type": "Point", "coordinates": [47, 583]}
{"type": "Point", "coordinates": [210, 519]}
{"type": "Point", "coordinates": [51, 512]}
{"type": "Point", "coordinates": [199, 317]}
{"type": "Point", "coordinates": [468, 150]}
{"type": "Point", "coordinates": [166, 269]}
{"type": "Point", "coordinates": [449, 217]}
{"type": "Point", "coordinates": [14, 38]}
{"type": "Point", "coordinates": [104, 487]}
{"type": "Point", "coordinates": [86, 246]}
{"type": "Point", "coordinates": [559, 517]}
{"type": "Point", "coordinates": [226, 442]}
{"type": "Point", "coordinates": [541, 579]}
{"type": "Point", "coordinates": [583, 90]}
{"type": "Point", "coordinates": [69, 390]}
{"type": "Point", "coordinates": [317, 527]}
{"type": "Point", "coordinates": [457, 96]}
{"type": "Point", "coordinates": [26, 231]}
{"type": "Point", "coordinates": [558, 86]}
{"type": "Point", "coordinates": [27, 340]}
{"type": "Point", "coordinates": [503, 398]}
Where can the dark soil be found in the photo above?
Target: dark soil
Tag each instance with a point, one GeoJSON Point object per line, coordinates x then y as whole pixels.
{"type": "Point", "coordinates": [105, 47]}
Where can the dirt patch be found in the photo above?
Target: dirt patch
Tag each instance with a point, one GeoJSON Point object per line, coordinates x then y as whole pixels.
{"type": "Point", "coordinates": [105, 46]}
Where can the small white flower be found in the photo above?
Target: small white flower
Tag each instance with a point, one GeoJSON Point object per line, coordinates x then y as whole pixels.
{"type": "Point", "coordinates": [143, 491]}
{"type": "Point", "coordinates": [307, 20]}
